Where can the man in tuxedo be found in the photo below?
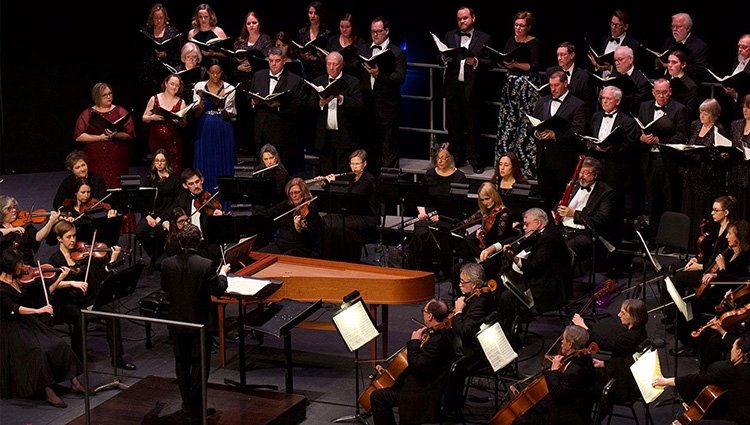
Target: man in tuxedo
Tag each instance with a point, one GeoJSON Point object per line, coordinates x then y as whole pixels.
{"type": "Point", "coordinates": [731, 104]}
{"type": "Point", "coordinates": [557, 152]}
{"type": "Point", "coordinates": [190, 199]}
{"type": "Point", "coordinates": [579, 80]}
{"type": "Point", "coordinates": [619, 23]}
{"type": "Point", "coordinates": [544, 263]}
{"type": "Point", "coordinates": [697, 49]}
{"type": "Point", "coordinates": [461, 88]}
{"type": "Point", "coordinates": [632, 96]}
{"type": "Point", "coordinates": [618, 153]}
{"type": "Point", "coordinates": [381, 86]}
{"type": "Point", "coordinates": [189, 280]}
{"type": "Point", "coordinates": [592, 210]}
{"type": "Point", "coordinates": [276, 120]}
{"type": "Point", "coordinates": [337, 118]}
{"type": "Point", "coordinates": [419, 389]}
{"type": "Point", "coordinates": [657, 170]}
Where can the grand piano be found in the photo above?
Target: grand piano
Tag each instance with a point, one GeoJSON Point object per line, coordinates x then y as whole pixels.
{"type": "Point", "coordinates": [310, 280]}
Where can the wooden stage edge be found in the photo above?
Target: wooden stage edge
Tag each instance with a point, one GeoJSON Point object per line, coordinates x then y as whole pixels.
{"type": "Point", "coordinates": [156, 400]}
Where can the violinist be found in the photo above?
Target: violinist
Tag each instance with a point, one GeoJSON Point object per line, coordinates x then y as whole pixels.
{"type": "Point", "coordinates": [151, 232]}
{"type": "Point", "coordinates": [193, 198]}
{"type": "Point", "coordinates": [22, 236]}
{"type": "Point", "coordinates": [75, 289]}
{"type": "Point", "coordinates": [419, 388]}
{"type": "Point", "coordinates": [299, 232]}
{"type": "Point", "coordinates": [729, 266]}
{"type": "Point", "coordinates": [544, 261]}
{"type": "Point", "coordinates": [733, 376]}
{"type": "Point", "coordinates": [83, 201]}
{"type": "Point", "coordinates": [77, 163]}
{"type": "Point", "coordinates": [570, 385]}
{"type": "Point", "coordinates": [81, 210]}
{"type": "Point", "coordinates": [33, 357]}
{"type": "Point", "coordinates": [476, 302]}
{"type": "Point", "coordinates": [496, 223]}
{"type": "Point", "coordinates": [622, 341]}
{"type": "Point", "coordinates": [591, 211]}
{"type": "Point", "coordinates": [343, 238]}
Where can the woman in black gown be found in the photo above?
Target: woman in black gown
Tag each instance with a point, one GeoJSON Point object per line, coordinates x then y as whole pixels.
{"type": "Point", "coordinates": [32, 356]}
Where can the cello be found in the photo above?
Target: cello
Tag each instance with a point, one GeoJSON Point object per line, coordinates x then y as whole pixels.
{"type": "Point", "coordinates": [700, 405]}
{"type": "Point", "coordinates": [533, 393]}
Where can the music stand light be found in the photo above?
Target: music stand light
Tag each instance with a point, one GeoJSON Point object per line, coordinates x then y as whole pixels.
{"type": "Point", "coordinates": [356, 327]}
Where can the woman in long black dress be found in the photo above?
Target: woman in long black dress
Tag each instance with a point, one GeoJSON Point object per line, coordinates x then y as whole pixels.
{"type": "Point", "coordinates": [739, 175]}
{"type": "Point", "coordinates": [32, 356]}
{"type": "Point", "coordinates": [25, 238]}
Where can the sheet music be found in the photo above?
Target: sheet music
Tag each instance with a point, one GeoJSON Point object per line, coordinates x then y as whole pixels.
{"type": "Point", "coordinates": [744, 149]}
{"type": "Point", "coordinates": [644, 370]}
{"type": "Point", "coordinates": [496, 346]}
{"type": "Point", "coordinates": [522, 256]}
{"type": "Point", "coordinates": [245, 285]}
{"type": "Point", "coordinates": [684, 308]}
{"type": "Point", "coordinates": [720, 140]}
{"type": "Point", "coordinates": [355, 326]}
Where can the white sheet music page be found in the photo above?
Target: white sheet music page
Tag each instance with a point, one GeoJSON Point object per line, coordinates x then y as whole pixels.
{"type": "Point", "coordinates": [245, 285]}
{"type": "Point", "coordinates": [644, 370]}
{"type": "Point", "coordinates": [496, 346]}
{"type": "Point", "coordinates": [355, 326]}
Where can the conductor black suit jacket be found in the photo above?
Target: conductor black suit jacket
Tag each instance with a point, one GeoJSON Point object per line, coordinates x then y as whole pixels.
{"type": "Point", "coordinates": [385, 94]}
{"type": "Point", "coordinates": [279, 124]}
{"type": "Point", "coordinates": [562, 153]}
{"type": "Point", "coordinates": [547, 269]}
{"type": "Point", "coordinates": [190, 280]}
{"type": "Point", "coordinates": [450, 82]}
{"type": "Point", "coordinates": [347, 113]}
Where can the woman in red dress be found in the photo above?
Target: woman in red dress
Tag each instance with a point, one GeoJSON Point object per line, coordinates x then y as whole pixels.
{"type": "Point", "coordinates": [166, 130]}
{"type": "Point", "coordinates": [105, 129]}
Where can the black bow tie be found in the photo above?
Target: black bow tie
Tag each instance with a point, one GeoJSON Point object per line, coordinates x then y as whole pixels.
{"type": "Point", "coordinates": [606, 115]}
{"type": "Point", "coordinates": [377, 47]}
{"type": "Point", "coordinates": [274, 77]}
{"type": "Point", "coordinates": [330, 80]}
{"type": "Point", "coordinates": [567, 73]}
{"type": "Point", "coordinates": [586, 188]}
{"type": "Point", "coordinates": [659, 108]}
{"type": "Point", "coordinates": [554, 99]}
{"type": "Point", "coordinates": [615, 39]}
{"type": "Point", "coordinates": [464, 34]}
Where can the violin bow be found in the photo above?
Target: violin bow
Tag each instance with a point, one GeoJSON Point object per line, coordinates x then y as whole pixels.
{"type": "Point", "coordinates": [295, 208]}
{"type": "Point", "coordinates": [205, 203]}
{"type": "Point", "coordinates": [91, 255]}
{"type": "Point", "coordinates": [44, 284]}
{"type": "Point", "coordinates": [92, 207]}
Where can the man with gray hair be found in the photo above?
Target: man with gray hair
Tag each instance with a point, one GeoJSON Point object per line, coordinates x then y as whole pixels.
{"type": "Point", "coordinates": [338, 116]}
{"type": "Point", "coordinates": [682, 38]}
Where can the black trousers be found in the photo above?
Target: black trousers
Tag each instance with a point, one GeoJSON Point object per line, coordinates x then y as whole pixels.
{"type": "Point", "coordinates": [187, 362]}
{"type": "Point", "coordinates": [383, 401]}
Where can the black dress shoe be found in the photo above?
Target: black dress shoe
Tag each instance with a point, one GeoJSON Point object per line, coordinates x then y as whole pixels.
{"type": "Point", "coordinates": [122, 364]}
{"type": "Point", "coordinates": [478, 169]}
{"type": "Point", "coordinates": [685, 351]}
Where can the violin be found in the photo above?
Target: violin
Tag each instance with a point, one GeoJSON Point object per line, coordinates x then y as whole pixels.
{"type": "Point", "coordinates": [491, 286]}
{"type": "Point", "coordinates": [31, 273]}
{"type": "Point", "coordinates": [712, 269]}
{"type": "Point", "coordinates": [731, 297]}
{"type": "Point", "coordinates": [81, 251]}
{"type": "Point", "coordinates": [207, 202]}
{"type": "Point", "coordinates": [533, 393]}
{"type": "Point", "coordinates": [704, 242]}
{"type": "Point", "coordinates": [92, 204]}
{"type": "Point", "coordinates": [727, 320]}
{"type": "Point", "coordinates": [468, 222]}
{"type": "Point", "coordinates": [487, 223]}
{"type": "Point", "coordinates": [25, 217]}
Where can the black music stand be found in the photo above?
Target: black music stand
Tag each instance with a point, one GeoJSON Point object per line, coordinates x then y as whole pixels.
{"type": "Point", "coordinates": [131, 198]}
{"type": "Point", "coordinates": [278, 319]}
{"type": "Point", "coordinates": [260, 190]}
{"type": "Point", "coordinates": [116, 286]}
{"type": "Point", "coordinates": [344, 203]}
{"type": "Point", "coordinates": [356, 327]}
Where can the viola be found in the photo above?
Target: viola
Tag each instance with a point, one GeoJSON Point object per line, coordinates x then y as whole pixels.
{"type": "Point", "coordinates": [533, 393]}
{"type": "Point", "coordinates": [81, 251]}
{"type": "Point", "coordinates": [25, 217]}
{"type": "Point", "coordinates": [712, 269]}
{"type": "Point", "coordinates": [487, 223]}
{"type": "Point", "coordinates": [207, 202]}
{"type": "Point", "coordinates": [31, 273]}
{"type": "Point", "coordinates": [700, 405]}
{"type": "Point", "coordinates": [730, 298]}
{"type": "Point", "coordinates": [705, 241]}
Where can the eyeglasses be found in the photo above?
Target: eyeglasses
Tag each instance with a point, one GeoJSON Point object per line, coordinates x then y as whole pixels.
{"type": "Point", "coordinates": [295, 192]}
{"type": "Point", "coordinates": [716, 211]}
{"type": "Point", "coordinates": [377, 31]}
{"type": "Point", "coordinates": [616, 25]}
{"type": "Point", "coordinates": [465, 282]}
{"type": "Point", "coordinates": [108, 94]}
{"type": "Point", "coordinates": [519, 25]}
{"type": "Point", "coordinates": [183, 220]}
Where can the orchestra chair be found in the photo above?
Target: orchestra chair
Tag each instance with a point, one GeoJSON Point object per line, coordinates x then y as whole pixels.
{"type": "Point", "coordinates": [600, 409]}
{"type": "Point", "coordinates": [673, 235]}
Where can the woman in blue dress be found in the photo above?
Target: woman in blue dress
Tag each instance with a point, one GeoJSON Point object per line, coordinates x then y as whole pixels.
{"type": "Point", "coordinates": [214, 153]}
{"type": "Point", "coordinates": [518, 96]}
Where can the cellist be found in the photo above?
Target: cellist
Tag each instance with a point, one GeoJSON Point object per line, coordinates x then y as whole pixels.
{"type": "Point", "coordinates": [419, 388]}
{"type": "Point", "coordinates": [732, 376]}
{"type": "Point", "coordinates": [570, 385]}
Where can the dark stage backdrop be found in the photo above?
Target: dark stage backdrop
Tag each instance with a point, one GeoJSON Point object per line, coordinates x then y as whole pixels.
{"type": "Point", "coordinates": [52, 54]}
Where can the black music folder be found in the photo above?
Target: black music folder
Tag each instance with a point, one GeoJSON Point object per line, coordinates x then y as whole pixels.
{"type": "Point", "coordinates": [555, 123]}
{"type": "Point", "coordinates": [282, 316]}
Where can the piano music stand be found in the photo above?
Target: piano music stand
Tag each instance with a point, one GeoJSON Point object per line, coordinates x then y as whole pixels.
{"type": "Point", "coordinates": [238, 255]}
{"type": "Point", "coordinates": [278, 319]}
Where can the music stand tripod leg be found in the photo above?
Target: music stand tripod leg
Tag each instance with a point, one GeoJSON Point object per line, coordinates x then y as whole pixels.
{"type": "Point", "coordinates": [356, 418]}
